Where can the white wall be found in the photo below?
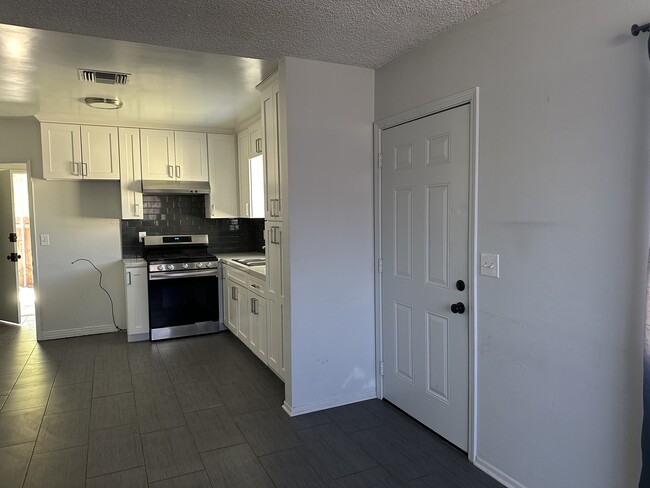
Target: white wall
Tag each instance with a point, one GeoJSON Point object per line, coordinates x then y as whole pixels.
{"type": "Point", "coordinates": [563, 199]}
{"type": "Point", "coordinates": [329, 115]}
{"type": "Point", "coordinates": [82, 219]}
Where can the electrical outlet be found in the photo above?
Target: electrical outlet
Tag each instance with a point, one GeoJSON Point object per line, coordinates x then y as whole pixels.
{"type": "Point", "coordinates": [490, 265]}
{"type": "Point", "coordinates": [45, 239]}
{"type": "Point", "coordinates": [141, 236]}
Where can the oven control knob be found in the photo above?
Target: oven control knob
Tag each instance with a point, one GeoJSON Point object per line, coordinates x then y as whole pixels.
{"type": "Point", "coordinates": [185, 265]}
{"type": "Point", "coordinates": [161, 267]}
{"type": "Point", "coordinates": [208, 264]}
{"type": "Point", "coordinates": [170, 266]}
{"type": "Point", "coordinates": [199, 265]}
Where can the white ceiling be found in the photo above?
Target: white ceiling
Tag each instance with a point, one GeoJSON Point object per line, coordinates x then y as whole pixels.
{"type": "Point", "coordinates": [199, 86]}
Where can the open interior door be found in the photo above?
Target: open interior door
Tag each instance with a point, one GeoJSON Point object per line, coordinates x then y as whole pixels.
{"type": "Point", "coordinates": [9, 302]}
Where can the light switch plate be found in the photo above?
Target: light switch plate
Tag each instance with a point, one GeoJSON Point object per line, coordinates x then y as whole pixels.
{"type": "Point", "coordinates": [490, 265]}
{"type": "Point", "coordinates": [45, 239]}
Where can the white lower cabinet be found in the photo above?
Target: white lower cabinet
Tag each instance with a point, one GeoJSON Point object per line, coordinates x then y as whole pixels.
{"type": "Point", "coordinates": [137, 301]}
{"type": "Point", "coordinates": [275, 353]}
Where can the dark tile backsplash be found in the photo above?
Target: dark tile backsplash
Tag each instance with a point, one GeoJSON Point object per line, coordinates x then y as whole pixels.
{"type": "Point", "coordinates": [185, 214]}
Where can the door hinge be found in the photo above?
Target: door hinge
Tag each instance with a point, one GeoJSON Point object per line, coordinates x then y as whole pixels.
{"type": "Point", "coordinates": [381, 368]}
{"type": "Point", "coordinates": [380, 265]}
{"type": "Point", "coordinates": [13, 237]}
{"type": "Point", "coordinates": [380, 160]}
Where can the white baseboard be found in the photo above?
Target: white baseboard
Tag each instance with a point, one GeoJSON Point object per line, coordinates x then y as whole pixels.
{"type": "Point", "coordinates": [138, 337]}
{"type": "Point", "coordinates": [497, 474]}
{"type": "Point", "coordinates": [80, 331]}
{"type": "Point", "coordinates": [335, 402]}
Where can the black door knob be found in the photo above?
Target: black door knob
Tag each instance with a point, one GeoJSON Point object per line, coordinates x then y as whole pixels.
{"type": "Point", "coordinates": [458, 308]}
{"type": "Point", "coordinates": [460, 285]}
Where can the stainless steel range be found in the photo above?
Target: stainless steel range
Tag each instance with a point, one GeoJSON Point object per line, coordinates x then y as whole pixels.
{"type": "Point", "coordinates": [183, 286]}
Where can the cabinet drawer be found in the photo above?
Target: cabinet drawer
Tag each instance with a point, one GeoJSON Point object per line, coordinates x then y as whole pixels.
{"type": "Point", "coordinates": [236, 275]}
{"type": "Point", "coordinates": [257, 286]}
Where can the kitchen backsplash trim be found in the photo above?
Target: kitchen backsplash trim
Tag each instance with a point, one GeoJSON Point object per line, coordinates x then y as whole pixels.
{"type": "Point", "coordinates": [185, 214]}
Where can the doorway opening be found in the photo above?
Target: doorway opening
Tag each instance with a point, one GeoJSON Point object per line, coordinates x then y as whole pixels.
{"type": "Point", "coordinates": [22, 224]}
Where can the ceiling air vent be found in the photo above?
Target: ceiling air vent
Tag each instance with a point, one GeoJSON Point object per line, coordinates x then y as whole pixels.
{"type": "Point", "coordinates": [103, 77]}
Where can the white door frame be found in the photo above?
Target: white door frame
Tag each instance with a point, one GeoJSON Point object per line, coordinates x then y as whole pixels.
{"type": "Point", "coordinates": [26, 166]}
{"type": "Point", "coordinates": [470, 96]}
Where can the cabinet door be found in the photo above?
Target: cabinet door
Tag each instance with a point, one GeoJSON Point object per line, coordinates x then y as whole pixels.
{"type": "Point", "coordinates": [255, 140]}
{"type": "Point", "coordinates": [137, 303]}
{"type": "Point", "coordinates": [241, 299]}
{"type": "Point", "coordinates": [244, 177]}
{"type": "Point", "coordinates": [274, 261]}
{"type": "Point", "coordinates": [258, 326]}
{"type": "Point", "coordinates": [158, 160]}
{"type": "Point", "coordinates": [191, 156]}
{"type": "Point", "coordinates": [130, 173]}
{"type": "Point", "coordinates": [275, 349]}
{"type": "Point", "coordinates": [232, 307]}
{"type": "Point", "coordinates": [61, 145]}
{"type": "Point", "coordinates": [99, 153]}
{"type": "Point", "coordinates": [223, 200]}
{"type": "Point", "coordinates": [270, 136]}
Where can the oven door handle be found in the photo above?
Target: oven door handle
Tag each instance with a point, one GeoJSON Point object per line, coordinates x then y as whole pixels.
{"type": "Point", "coordinates": [166, 275]}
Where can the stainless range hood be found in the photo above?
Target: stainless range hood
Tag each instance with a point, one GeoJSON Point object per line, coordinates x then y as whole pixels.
{"type": "Point", "coordinates": [158, 187]}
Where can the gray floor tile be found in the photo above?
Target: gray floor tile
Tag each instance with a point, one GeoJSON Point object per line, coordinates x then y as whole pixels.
{"type": "Point", "coordinates": [295, 468]}
{"type": "Point", "coordinates": [267, 431]}
{"type": "Point", "coordinates": [20, 426]}
{"type": "Point", "coordinates": [64, 469]}
{"type": "Point", "coordinates": [7, 382]}
{"type": "Point", "coordinates": [27, 396]}
{"type": "Point", "coordinates": [68, 398]}
{"type": "Point", "coordinates": [198, 395]}
{"type": "Point", "coordinates": [111, 360]}
{"type": "Point", "coordinates": [235, 467]}
{"type": "Point", "coordinates": [169, 453]}
{"type": "Point", "coordinates": [37, 373]}
{"type": "Point", "coordinates": [2, 400]}
{"type": "Point", "coordinates": [267, 383]}
{"type": "Point", "coordinates": [335, 450]}
{"type": "Point", "coordinates": [114, 449]}
{"type": "Point", "coordinates": [111, 383]}
{"type": "Point", "coordinates": [145, 363]}
{"type": "Point", "coordinates": [74, 371]}
{"type": "Point", "coordinates": [353, 418]}
{"type": "Point", "coordinates": [113, 410]}
{"type": "Point", "coordinates": [184, 371]}
{"type": "Point", "coordinates": [193, 480]}
{"type": "Point", "coordinates": [14, 461]}
{"type": "Point", "coordinates": [244, 398]}
{"type": "Point", "coordinates": [130, 478]}
{"type": "Point", "coordinates": [224, 373]}
{"type": "Point", "coordinates": [402, 458]}
{"type": "Point", "coordinates": [152, 384]}
{"type": "Point", "coordinates": [375, 478]}
{"type": "Point", "coordinates": [159, 412]}
{"type": "Point", "coordinates": [63, 430]}
{"type": "Point", "coordinates": [213, 429]}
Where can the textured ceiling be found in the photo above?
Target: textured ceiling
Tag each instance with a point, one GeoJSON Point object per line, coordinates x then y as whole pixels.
{"type": "Point", "coordinates": [364, 33]}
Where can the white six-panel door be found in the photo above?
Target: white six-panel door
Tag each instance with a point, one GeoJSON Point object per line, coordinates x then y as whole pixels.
{"type": "Point", "coordinates": [424, 242]}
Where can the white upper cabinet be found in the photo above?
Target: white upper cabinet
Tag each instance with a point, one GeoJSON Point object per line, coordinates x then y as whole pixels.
{"type": "Point", "coordinates": [75, 152]}
{"type": "Point", "coordinates": [244, 177]}
{"type": "Point", "coordinates": [255, 140]}
{"type": "Point", "coordinates": [191, 156]}
{"type": "Point", "coordinates": [158, 154]}
{"type": "Point", "coordinates": [251, 172]}
{"type": "Point", "coordinates": [170, 155]}
{"type": "Point", "coordinates": [223, 200]}
{"type": "Point", "coordinates": [130, 173]}
{"type": "Point", "coordinates": [271, 147]}
{"type": "Point", "coordinates": [99, 153]}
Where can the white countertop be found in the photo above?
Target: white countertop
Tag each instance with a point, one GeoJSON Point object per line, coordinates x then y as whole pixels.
{"type": "Point", "coordinates": [257, 271]}
{"type": "Point", "coordinates": [134, 262]}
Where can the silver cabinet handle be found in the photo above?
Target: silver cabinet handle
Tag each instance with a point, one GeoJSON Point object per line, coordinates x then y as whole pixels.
{"type": "Point", "coordinates": [212, 207]}
{"type": "Point", "coordinates": [247, 209]}
{"type": "Point", "coordinates": [178, 171]}
{"type": "Point", "coordinates": [235, 293]}
{"type": "Point", "coordinates": [74, 168]}
{"type": "Point", "coordinates": [84, 169]}
{"type": "Point", "coordinates": [129, 276]}
{"type": "Point", "coordinates": [137, 210]}
{"type": "Point", "coordinates": [252, 305]}
{"type": "Point", "coordinates": [255, 286]}
{"type": "Point", "coordinates": [258, 145]}
{"type": "Point", "coordinates": [170, 170]}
